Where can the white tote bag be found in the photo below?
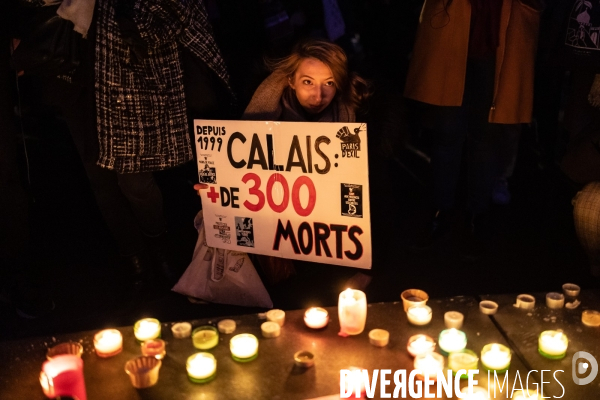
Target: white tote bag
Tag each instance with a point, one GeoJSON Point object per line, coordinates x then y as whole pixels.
{"type": "Point", "coordinates": [222, 276]}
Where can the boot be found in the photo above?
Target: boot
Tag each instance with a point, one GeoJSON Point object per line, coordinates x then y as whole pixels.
{"type": "Point", "coordinates": [163, 263]}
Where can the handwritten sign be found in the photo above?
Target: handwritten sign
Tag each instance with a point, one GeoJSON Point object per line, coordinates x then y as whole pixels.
{"type": "Point", "coordinates": [295, 190]}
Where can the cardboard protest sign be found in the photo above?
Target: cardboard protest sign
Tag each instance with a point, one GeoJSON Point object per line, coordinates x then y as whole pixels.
{"type": "Point", "coordinates": [295, 190]}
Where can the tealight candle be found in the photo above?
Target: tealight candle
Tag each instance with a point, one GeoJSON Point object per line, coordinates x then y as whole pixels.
{"type": "Point", "coordinates": [465, 359]}
{"type": "Point", "coordinates": [108, 343]}
{"type": "Point", "coordinates": [304, 359]}
{"type": "Point", "coordinates": [226, 326]}
{"type": "Point", "coordinates": [419, 315]}
{"type": "Point", "coordinates": [181, 330]}
{"type": "Point", "coordinates": [429, 364]}
{"type": "Point", "coordinates": [276, 316]}
{"type": "Point", "coordinates": [479, 393]}
{"type": "Point", "coordinates": [495, 357]}
{"type": "Point", "coordinates": [316, 317]}
{"type": "Point", "coordinates": [146, 329]}
{"type": "Point", "coordinates": [205, 337]}
{"type": "Point", "coordinates": [379, 337]}
{"type": "Point", "coordinates": [244, 347]}
{"type": "Point", "coordinates": [63, 376]}
{"type": "Point", "coordinates": [452, 340]}
{"type": "Point", "coordinates": [420, 344]}
{"type": "Point", "coordinates": [453, 319]}
{"type": "Point", "coordinates": [553, 344]}
{"type": "Point", "coordinates": [154, 348]}
{"type": "Point", "coordinates": [352, 311]}
{"type": "Point", "coordinates": [526, 395]}
{"type": "Point", "coordinates": [201, 367]}
{"type": "Point", "coordinates": [270, 329]}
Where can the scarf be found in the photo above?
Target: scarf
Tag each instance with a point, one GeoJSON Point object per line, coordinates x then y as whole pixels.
{"type": "Point", "coordinates": [80, 12]}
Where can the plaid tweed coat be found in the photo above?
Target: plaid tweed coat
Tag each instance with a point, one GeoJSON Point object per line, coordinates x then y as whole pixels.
{"type": "Point", "coordinates": [141, 112]}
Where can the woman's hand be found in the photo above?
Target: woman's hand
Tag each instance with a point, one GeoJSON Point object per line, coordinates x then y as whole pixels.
{"type": "Point", "coordinates": [200, 186]}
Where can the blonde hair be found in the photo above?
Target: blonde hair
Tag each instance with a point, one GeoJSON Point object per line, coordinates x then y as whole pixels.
{"type": "Point", "coordinates": [351, 88]}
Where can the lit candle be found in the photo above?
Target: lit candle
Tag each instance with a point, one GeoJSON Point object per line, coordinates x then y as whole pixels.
{"type": "Point", "coordinates": [154, 348]}
{"type": "Point", "coordinates": [352, 311]}
{"type": "Point", "coordinates": [244, 347]}
{"type": "Point", "coordinates": [379, 337]}
{"type": "Point", "coordinates": [205, 337]}
{"type": "Point", "coordinates": [553, 344]}
{"type": "Point", "coordinates": [479, 393]}
{"type": "Point", "coordinates": [316, 317]}
{"type": "Point", "coordinates": [63, 376]}
{"type": "Point", "coordinates": [201, 367]}
{"type": "Point", "coordinates": [276, 316]}
{"type": "Point", "coordinates": [453, 319]}
{"type": "Point", "coordinates": [146, 329]}
{"type": "Point", "coordinates": [465, 359]}
{"type": "Point", "coordinates": [108, 343]}
{"type": "Point", "coordinates": [452, 340]}
{"type": "Point", "coordinates": [270, 329]}
{"type": "Point", "coordinates": [419, 315]}
{"type": "Point", "coordinates": [495, 357]}
{"type": "Point", "coordinates": [526, 395]}
{"type": "Point", "coordinates": [420, 344]}
{"type": "Point", "coordinates": [429, 364]}
{"type": "Point", "coordinates": [181, 330]}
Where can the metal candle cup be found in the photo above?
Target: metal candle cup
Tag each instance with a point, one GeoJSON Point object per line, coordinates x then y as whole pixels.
{"type": "Point", "coordinates": [413, 297]}
{"type": "Point", "coordinates": [555, 300]}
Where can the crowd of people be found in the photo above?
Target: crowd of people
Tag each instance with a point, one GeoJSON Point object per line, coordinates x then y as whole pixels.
{"type": "Point", "coordinates": [474, 71]}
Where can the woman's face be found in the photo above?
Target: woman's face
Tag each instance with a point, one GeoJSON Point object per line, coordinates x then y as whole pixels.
{"type": "Point", "coordinates": [314, 85]}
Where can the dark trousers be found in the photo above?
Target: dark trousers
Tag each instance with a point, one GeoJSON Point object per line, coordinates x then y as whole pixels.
{"type": "Point", "coordinates": [452, 127]}
{"type": "Point", "coordinates": [131, 204]}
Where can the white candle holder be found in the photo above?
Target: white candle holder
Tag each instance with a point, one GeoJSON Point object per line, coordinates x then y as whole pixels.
{"type": "Point", "coordinates": [316, 318]}
{"type": "Point", "coordinates": [555, 300]}
{"type": "Point", "coordinates": [226, 326]}
{"type": "Point", "coordinates": [413, 297]}
{"type": "Point", "coordinates": [452, 340]}
{"type": "Point", "coordinates": [108, 343]}
{"type": "Point", "coordinates": [379, 337]}
{"type": "Point", "coordinates": [146, 329]}
{"type": "Point", "coordinates": [525, 302]}
{"type": "Point", "coordinates": [419, 315]}
{"type": "Point", "coordinates": [495, 357]}
{"type": "Point", "coordinates": [420, 344]}
{"type": "Point", "coordinates": [276, 316]}
{"type": "Point", "coordinates": [270, 329]}
{"type": "Point", "coordinates": [201, 367]}
{"type": "Point", "coordinates": [553, 344]}
{"type": "Point", "coordinates": [352, 311]}
{"type": "Point", "coordinates": [571, 290]}
{"type": "Point", "coordinates": [488, 307]}
{"type": "Point", "coordinates": [244, 347]}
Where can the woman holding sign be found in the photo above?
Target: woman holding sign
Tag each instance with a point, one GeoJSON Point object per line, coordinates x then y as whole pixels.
{"type": "Point", "coordinates": [312, 84]}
